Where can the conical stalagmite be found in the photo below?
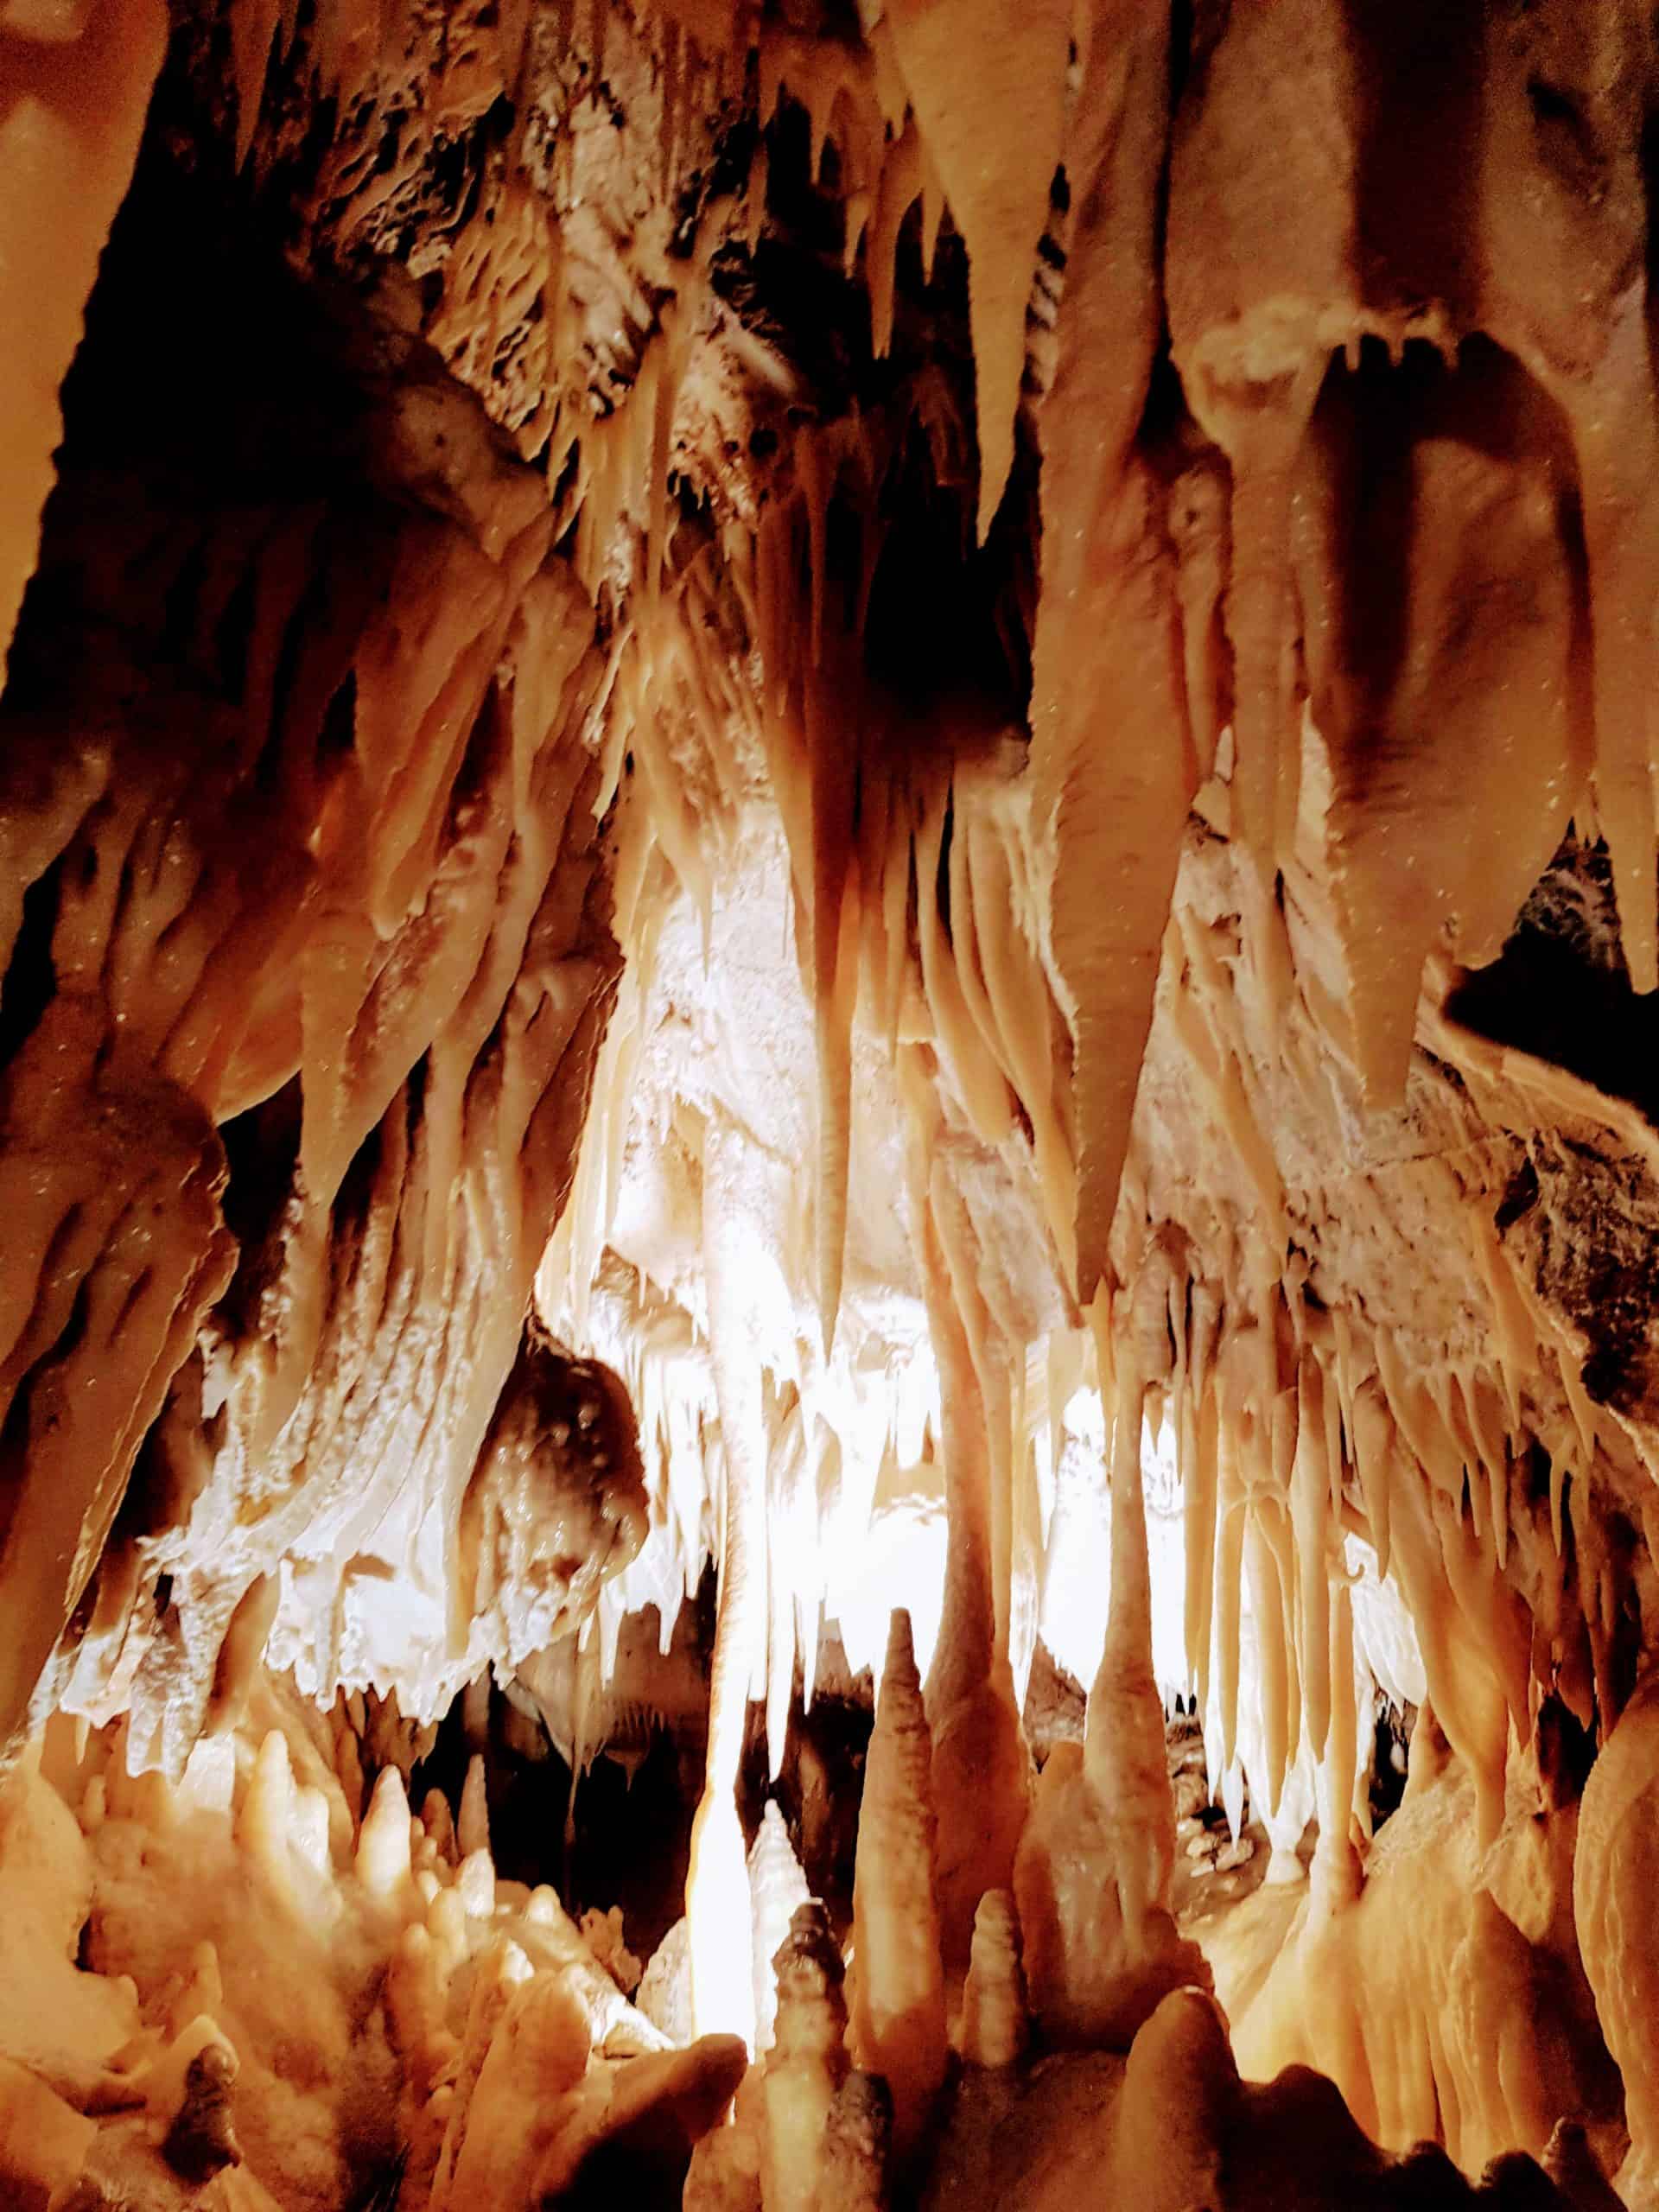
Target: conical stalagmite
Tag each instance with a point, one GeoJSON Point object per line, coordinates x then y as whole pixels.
{"type": "Point", "coordinates": [1124, 1754]}
{"type": "Point", "coordinates": [777, 1888]}
{"type": "Point", "coordinates": [807, 2063]}
{"type": "Point", "coordinates": [472, 1821]}
{"type": "Point", "coordinates": [995, 2028]}
{"type": "Point", "coordinates": [898, 2023]}
{"type": "Point", "coordinates": [383, 1861]}
{"type": "Point", "coordinates": [982, 1767]}
{"type": "Point", "coordinates": [265, 1821]}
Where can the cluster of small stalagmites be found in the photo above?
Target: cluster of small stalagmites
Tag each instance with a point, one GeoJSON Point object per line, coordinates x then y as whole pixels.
{"type": "Point", "coordinates": [1020, 2127]}
{"type": "Point", "coordinates": [244, 1997]}
{"type": "Point", "coordinates": [848, 2103]}
{"type": "Point", "coordinates": [894, 2086]}
{"type": "Point", "coordinates": [1455, 1995]}
{"type": "Point", "coordinates": [367, 1733]}
{"type": "Point", "coordinates": [812, 2134]}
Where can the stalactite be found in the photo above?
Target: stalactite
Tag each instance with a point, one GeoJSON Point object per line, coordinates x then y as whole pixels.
{"type": "Point", "coordinates": [1107, 604]}
{"type": "Point", "coordinates": [999, 204]}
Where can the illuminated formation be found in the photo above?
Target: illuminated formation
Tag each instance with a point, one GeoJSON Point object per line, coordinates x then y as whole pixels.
{"type": "Point", "coordinates": [828, 1151]}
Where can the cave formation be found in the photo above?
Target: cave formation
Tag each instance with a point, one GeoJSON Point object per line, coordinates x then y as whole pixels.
{"type": "Point", "coordinates": [828, 1142]}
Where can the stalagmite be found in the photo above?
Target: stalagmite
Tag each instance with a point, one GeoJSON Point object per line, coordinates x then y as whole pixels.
{"type": "Point", "coordinates": [807, 2063]}
{"type": "Point", "coordinates": [994, 2029]}
{"type": "Point", "coordinates": [503, 1969]}
{"type": "Point", "coordinates": [777, 1889]}
{"type": "Point", "coordinates": [472, 1821]}
{"type": "Point", "coordinates": [1613, 1903]}
{"type": "Point", "coordinates": [897, 2007]}
{"type": "Point", "coordinates": [265, 1825]}
{"type": "Point", "coordinates": [415, 2000]}
{"type": "Point", "coordinates": [536, 2054]}
{"type": "Point", "coordinates": [382, 1854]}
{"type": "Point", "coordinates": [980, 1773]}
{"type": "Point", "coordinates": [1124, 1746]}
{"type": "Point", "coordinates": [438, 1823]}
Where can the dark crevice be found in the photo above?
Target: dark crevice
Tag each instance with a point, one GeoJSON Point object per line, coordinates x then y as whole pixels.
{"type": "Point", "coordinates": [30, 981]}
{"type": "Point", "coordinates": [233, 632]}
{"type": "Point", "coordinates": [1560, 991]}
{"type": "Point", "coordinates": [261, 1147]}
{"type": "Point", "coordinates": [1520, 1196]}
{"type": "Point", "coordinates": [337, 732]}
{"type": "Point", "coordinates": [1393, 1725]}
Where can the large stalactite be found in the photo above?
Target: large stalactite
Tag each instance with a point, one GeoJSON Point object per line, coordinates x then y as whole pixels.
{"type": "Point", "coordinates": [827, 899]}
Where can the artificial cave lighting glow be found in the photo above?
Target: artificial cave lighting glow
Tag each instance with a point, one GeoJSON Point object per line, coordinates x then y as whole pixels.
{"type": "Point", "coordinates": [828, 1165]}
